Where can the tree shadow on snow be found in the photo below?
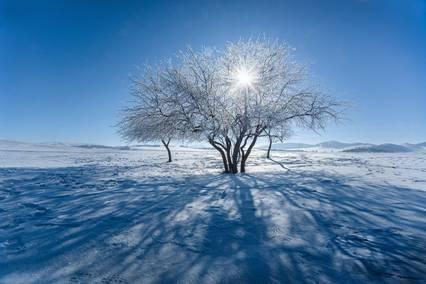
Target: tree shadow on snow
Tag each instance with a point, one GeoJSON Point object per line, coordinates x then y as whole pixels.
{"type": "Point", "coordinates": [73, 224]}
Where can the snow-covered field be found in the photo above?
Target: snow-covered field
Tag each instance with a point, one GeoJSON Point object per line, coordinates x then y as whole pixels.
{"type": "Point", "coordinates": [75, 215]}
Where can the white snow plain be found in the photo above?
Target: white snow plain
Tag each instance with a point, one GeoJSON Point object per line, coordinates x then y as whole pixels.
{"type": "Point", "coordinates": [74, 215]}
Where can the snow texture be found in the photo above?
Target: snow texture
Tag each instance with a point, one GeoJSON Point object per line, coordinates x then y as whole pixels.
{"type": "Point", "coordinates": [104, 215]}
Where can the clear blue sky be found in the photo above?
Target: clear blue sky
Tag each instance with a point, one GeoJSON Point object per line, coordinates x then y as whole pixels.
{"type": "Point", "coordinates": [64, 65]}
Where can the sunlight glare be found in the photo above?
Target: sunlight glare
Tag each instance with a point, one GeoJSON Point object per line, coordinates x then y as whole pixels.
{"type": "Point", "coordinates": [244, 78]}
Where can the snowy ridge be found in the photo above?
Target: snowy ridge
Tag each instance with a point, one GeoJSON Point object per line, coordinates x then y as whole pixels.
{"type": "Point", "coordinates": [10, 145]}
{"type": "Point", "coordinates": [97, 146]}
{"type": "Point", "coordinates": [335, 146]}
{"type": "Point", "coordinates": [382, 148]}
{"type": "Point", "coordinates": [328, 146]}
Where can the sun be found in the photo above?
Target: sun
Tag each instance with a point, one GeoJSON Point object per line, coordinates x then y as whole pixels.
{"type": "Point", "coordinates": [244, 78]}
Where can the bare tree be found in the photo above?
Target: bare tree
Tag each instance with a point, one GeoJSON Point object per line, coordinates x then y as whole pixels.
{"type": "Point", "coordinates": [274, 134]}
{"type": "Point", "coordinates": [151, 118]}
{"type": "Point", "coordinates": [252, 86]}
{"type": "Point", "coordinates": [231, 98]}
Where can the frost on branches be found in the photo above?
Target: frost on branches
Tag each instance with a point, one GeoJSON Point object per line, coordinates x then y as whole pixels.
{"type": "Point", "coordinates": [229, 98]}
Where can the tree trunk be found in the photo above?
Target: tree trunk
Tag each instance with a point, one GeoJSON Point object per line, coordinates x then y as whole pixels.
{"type": "Point", "coordinates": [268, 154]}
{"type": "Point", "coordinates": [233, 156]}
{"type": "Point", "coordinates": [222, 154]}
{"type": "Point", "coordinates": [166, 144]}
{"type": "Point", "coordinates": [236, 154]}
{"type": "Point", "coordinates": [247, 154]}
{"type": "Point", "coordinates": [225, 164]}
{"type": "Point", "coordinates": [231, 166]}
{"type": "Point", "coordinates": [243, 165]}
{"type": "Point", "coordinates": [243, 161]}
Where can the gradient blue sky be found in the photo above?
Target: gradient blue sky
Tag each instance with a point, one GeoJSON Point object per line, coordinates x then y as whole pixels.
{"type": "Point", "coordinates": [64, 65]}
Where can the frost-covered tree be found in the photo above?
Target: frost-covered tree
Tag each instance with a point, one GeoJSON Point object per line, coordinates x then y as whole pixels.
{"type": "Point", "coordinates": [150, 119]}
{"type": "Point", "coordinates": [274, 134]}
{"type": "Point", "coordinates": [233, 97]}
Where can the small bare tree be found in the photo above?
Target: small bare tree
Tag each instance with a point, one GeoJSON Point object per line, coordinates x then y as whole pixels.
{"type": "Point", "coordinates": [274, 134]}
{"type": "Point", "coordinates": [151, 118]}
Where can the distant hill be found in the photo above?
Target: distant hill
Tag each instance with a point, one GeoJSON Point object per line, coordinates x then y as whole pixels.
{"type": "Point", "coordinates": [290, 146]}
{"type": "Point", "coordinates": [328, 145]}
{"type": "Point", "coordinates": [416, 147]}
{"type": "Point", "coordinates": [336, 146]}
{"type": "Point", "coordinates": [340, 145]}
{"type": "Point", "coordinates": [96, 146]}
{"type": "Point", "coordinates": [10, 145]}
{"type": "Point", "coordinates": [382, 148]}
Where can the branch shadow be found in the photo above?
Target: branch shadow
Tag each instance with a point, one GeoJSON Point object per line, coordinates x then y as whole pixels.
{"type": "Point", "coordinates": [279, 163]}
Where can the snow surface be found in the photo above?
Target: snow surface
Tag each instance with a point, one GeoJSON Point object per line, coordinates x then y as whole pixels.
{"type": "Point", "coordinates": [93, 215]}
